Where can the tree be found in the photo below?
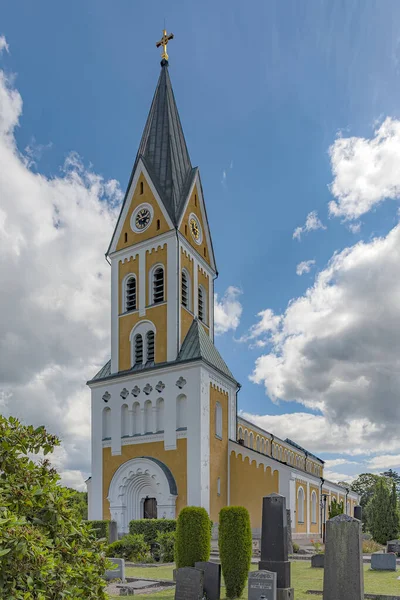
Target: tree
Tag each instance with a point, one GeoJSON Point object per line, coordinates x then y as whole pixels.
{"type": "Point", "coordinates": [364, 486]}
{"type": "Point", "coordinates": [394, 512]}
{"type": "Point", "coordinates": [392, 476]}
{"type": "Point", "coordinates": [382, 514]}
{"type": "Point", "coordinates": [336, 508]}
{"type": "Point", "coordinates": [79, 502]}
{"type": "Point", "coordinates": [46, 551]}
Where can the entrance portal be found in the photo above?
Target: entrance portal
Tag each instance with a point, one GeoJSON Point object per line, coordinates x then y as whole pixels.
{"type": "Point", "coordinates": [150, 508]}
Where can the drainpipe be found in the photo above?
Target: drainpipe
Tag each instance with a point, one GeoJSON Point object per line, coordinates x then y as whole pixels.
{"type": "Point", "coordinates": [321, 503]}
{"type": "Point", "coordinates": [345, 507]}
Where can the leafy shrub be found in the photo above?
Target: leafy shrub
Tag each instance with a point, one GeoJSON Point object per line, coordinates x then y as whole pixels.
{"type": "Point", "coordinates": [336, 508]}
{"type": "Point", "coordinates": [150, 527]}
{"type": "Point", "coordinates": [193, 537]}
{"type": "Point", "coordinates": [131, 547]}
{"type": "Point", "coordinates": [369, 547]}
{"type": "Point", "coordinates": [166, 546]}
{"type": "Point", "coordinates": [235, 548]}
{"type": "Point", "coordinates": [296, 548]}
{"type": "Point", "coordinates": [46, 550]}
{"type": "Point", "coordinates": [101, 529]}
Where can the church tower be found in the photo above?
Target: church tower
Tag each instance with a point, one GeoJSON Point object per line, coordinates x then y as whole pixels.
{"type": "Point", "coordinates": [164, 406]}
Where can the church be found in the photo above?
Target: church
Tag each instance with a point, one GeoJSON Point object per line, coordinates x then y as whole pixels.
{"type": "Point", "coordinates": [166, 432]}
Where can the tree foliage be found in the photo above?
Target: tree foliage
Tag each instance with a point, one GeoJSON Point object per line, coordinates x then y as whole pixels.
{"type": "Point", "coordinates": [382, 513]}
{"type": "Point", "coordinates": [193, 537]}
{"type": "Point", "coordinates": [392, 476]}
{"type": "Point", "coordinates": [235, 548]}
{"type": "Point", "coordinates": [365, 486]}
{"type": "Point", "coordinates": [46, 551]}
{"type": "Point", "coordinates": [79, 501]}
{"type": "Point", "coordinates": [336, 508]}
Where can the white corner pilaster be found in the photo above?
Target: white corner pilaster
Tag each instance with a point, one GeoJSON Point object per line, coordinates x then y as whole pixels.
{"type": "Point", "coordinates": [195, 287]}
{"type": "Point", "coordinates": [114, 315]}
{"type": "Point", "coordinates": [172, 295]}
{"type": "Point", "coordinates": [308, 508]}
{"type": "Point", "coordinates": [142, 282]}
{"type": "Point", "coordinates": [170, 419]}
{"type": "Point", "coordinates": [95, 508]}
{"type": "Point", "coordinates": [198, 444]}
{"type": "Point", "coordinates": [115, 429]}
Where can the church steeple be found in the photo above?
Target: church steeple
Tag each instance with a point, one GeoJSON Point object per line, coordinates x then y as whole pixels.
{"type": "Point", "coordinates": [163, 148]}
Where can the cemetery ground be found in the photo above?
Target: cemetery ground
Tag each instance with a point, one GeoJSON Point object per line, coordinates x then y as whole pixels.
{"type": "Point", "coordinates": [303, 578]}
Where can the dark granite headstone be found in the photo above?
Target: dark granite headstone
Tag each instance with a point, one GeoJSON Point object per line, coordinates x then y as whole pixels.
{"type": "Point", "coordinates": [318, 561]}
{"type": "Point", "coordinates": [393, 546]}
{"type": "Point", "coordinates": [262, 585]}
{"type": "Point", "coordinates": [274, 544]}
{"type": "Point", "coordinates": [212, 579]}
{"type": "Point", "coordinates": [358, 512]}
{"type": "Point", "coordinates": [383, 562]}
{"type": "Point", "coordinates": [289, 531]}
{"type": "Point", "coordinates": [113, 532]}
{"type": "Point", "coordinates": [189, 584]}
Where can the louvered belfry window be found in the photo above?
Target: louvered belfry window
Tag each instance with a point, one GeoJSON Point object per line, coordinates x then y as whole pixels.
{"type": "Point", "coordinates": [150, 346]}
{"type": "Point", "coordinates": [201, 304]}
{"type": "Point", "coordinates": [131, 294]}
{"type": "Point", "coordinates": [185, 297]}
{"type": "Point", "coordinates": [138, 349]}
{"type": "Point", "coordinates": [158, 285]}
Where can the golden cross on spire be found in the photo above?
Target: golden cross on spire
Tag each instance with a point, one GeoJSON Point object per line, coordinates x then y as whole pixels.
{"type": "Point", "coordinates": [163, 42]}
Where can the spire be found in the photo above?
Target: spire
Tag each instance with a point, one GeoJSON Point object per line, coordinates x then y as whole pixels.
{"type": "Point", "coordinates": [163, 147]}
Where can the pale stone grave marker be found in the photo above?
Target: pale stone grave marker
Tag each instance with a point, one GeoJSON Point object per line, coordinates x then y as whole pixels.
{"type": "Point", "coordinates": [212, 579]}
{"type": "Point", "coordinates": [189, 584]}
{"type": "Point", "coordinates": [262, 585]}
{"type": "Point", "coordinates": [119, 572]}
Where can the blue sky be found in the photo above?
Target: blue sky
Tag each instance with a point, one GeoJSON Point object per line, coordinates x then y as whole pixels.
{"type": "Point", "coordinates": [264, 89]}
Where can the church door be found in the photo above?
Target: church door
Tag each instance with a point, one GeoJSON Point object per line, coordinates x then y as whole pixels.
{"type": "Point", "coordinates": [150, 508]}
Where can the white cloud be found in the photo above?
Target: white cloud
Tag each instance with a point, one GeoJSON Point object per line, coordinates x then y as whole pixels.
{"type": "Point", "coordinates": [354, 227]}
{"type": "Point", "coordinates": [336, 349]}
{"type": "Point", "coordinates": [3, 44]}
{"type": "Point", "coordinates": [312, 224]}
{"type": "Point", "coordinates": [337, 477]}
{"type": "Point", "coordinates": [304, 267]}
{"type": "Point", "coordinates": [366, 171]}
{"type": "Point", "coordinates": [227, 311]}
{"type": "Point", "coordinates": [335, 462]}
{"type": "Point", "coordinates": [384, 462]}
{"type": "Point", "coordinates": [54, 296]}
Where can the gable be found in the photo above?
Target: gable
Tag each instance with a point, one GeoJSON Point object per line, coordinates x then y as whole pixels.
{"type": "Point", "coordinates": [141, 191]}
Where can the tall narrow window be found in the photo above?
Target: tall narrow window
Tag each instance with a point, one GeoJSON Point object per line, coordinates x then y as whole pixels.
{"type": "Point", "coordinates": [160, 414]}
{"type": "Point", "coordinates": [300, 505]}
{"type": "Point", "coordinates": [158, 285]}
{"type": "Point", "coordinates": [218, 420]}
{"type": "Point", "coordinates": [106, 423]}
{"type": "Point", "coordinates": [150, 346]}
{"type": "Point", "coordinates": [205, 252]}
{"type": "Point", "coordinates": [148, 417]}
{"type": "Point", "coordinates": [219, 486]}
{"type": "Point", "coordinates": [141, 187]}
{"type": "Point", "coordinates": [185, 229]}
{"type": "Point", "coordinates": [313, 507]}
{"type": "Point", "coordinates": [131, 294]}
{"type": "Point", "coordinates": [158, 224]}
{"type": "Point", "coordinates": [201, 306]}
{"type": "Point", "coordinates": [138, 349]}
{"type": "Point", "coordinates": [195, 200]}
{"type": "Point", "coordinates": [185, 289]}
{"type": "Point", "coordinates": [181, 421]}
{"type": "Point", "coordinates": [251, 441]}
{"type": "Point", "coordinates": [125, 424]}
{"type": "Point", "coordinates": [246, 438]}
{"type": "Point", "coordinates": [126, 237]}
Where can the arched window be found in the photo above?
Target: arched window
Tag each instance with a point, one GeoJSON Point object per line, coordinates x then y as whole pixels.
{"type": "Point", "coordinates": [160, 414]}
{"type": "Point", "coordinates": [300, 505]}
{"type": "Point", "coordinates": [258, 443]}
{"type": "Point", "coordinates": [240, 434]}
{"type": "Point", "coordinates": [106, 423]}
{"type": "Point", "coordinates": [251, 440]}
{"type": "Point", "coordinates": [202, 304]}
{"type": "Point", "coordinates": [218, 420]}
{"type": "Point", "coordinates": [138, 356]}
{"type": "Point", "coordinates": [150, 346]}
{"type": "Point", "coordinates": [136, 429]}
{"type": "Point", "coordinates": [158, 285]}
{"type": "Point", "coordinates": [219, 486]}
{"type": "Point", "coordinates": [313, 507]}
{"type": "Point", "coordinates": [246, 438]}
{"type": "Point", "coordinates": [126, 237]}
{"type": "Point", "coordinates": [185, 289]}
{"type": "Point", "coordinates": [148, 427]}
{"type": "Point", "coordinates": [181, 422]}
{"type": "Point", "coordinates": [141, 187]}
{"type": "Point", "coordinates": [158, 224]}
{"type": "Point", "coordinates": [130, 294]}
{"type": "Point", "coordinates": [125, 425]}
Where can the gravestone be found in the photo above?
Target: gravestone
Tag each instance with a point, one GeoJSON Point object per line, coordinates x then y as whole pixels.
{"type": "Point", "coordinates": [274, 544]}
{"type": "Point", "coordinates": [262, 585]}
{"type": "Point", "coordinates": [343, 572]}
{"type": "Point", "coordinates": [189, 584]}
{"type": "Point", "coordinates": [383, 562]}
{"type": "Point", "coordinates": [212, 579]}
{"type": "Point", "coordinates": [126, 591]}
{"type": "Point", "coordinates": [393, 546]}
{"type": "Point", "coordinates": [119, 572]}
{"type": "Point", "coordinates": [289, 531]}
{"type": "Point", "coordinates": [113, 532]}
{"type": "Point", "coordinates": [358, 512]}
{"type": "Point", "coordinates": [318, 561]}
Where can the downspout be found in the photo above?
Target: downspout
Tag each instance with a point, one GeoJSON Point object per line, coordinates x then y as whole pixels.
{"type": "Point", "coordinates": [321, 504]}
{"type": "Point", "coordinates": [345, 507]}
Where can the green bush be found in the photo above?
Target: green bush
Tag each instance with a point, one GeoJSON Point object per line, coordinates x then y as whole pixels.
{"type": "Point", "coordinates": [101, 529]}
{"type": "Point", "coordinates": [131, 547]}
{"type": "Point", "coordinates": [166, 542]}
{"type": "Point", "coordinates": [296, 548]}
{"type": "Point", "coordinates": [235, 548]}
{"type": "Point", "coordinates": [151, 527]}
{"type": "Point", "coordinates": [336, 508]}
{"type": "Point", "coordinates": [46, 550]}
{"type": "Point", "coordinates": [193, 537]}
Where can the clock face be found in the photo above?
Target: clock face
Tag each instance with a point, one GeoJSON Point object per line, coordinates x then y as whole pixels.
{"type": "Point", "coordinates": [142, 219]}
{"type": "Point", "coordinates": [195, 229]}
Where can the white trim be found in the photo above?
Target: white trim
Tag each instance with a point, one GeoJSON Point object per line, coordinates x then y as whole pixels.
{"type": "Point", "coordinates": [143, 206]}
{"type": "Point", "coordinates": [115, 291]}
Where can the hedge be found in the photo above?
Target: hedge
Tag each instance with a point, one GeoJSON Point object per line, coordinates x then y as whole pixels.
{"type": "Point", "coordinates": [235, 548]}
{"type": "Point", "coordinates": [151, 527]}
{"type": "Point", "coordinates": [102, 529]}
{"type": "Point", "coordinates": [130, 547]}
{"type": "Point", "coordinates": [193, 537]}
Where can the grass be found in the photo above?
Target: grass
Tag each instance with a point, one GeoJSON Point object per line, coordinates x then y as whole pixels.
{"type": "Point", "coordinates": [303, 578]}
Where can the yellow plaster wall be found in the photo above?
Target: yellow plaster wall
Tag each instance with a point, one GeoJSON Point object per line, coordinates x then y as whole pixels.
{"type": "Point", "coordinates": [249, 484]}
{"type": "Point", "coordinates": [152, 258]}
{"type": "Point", "coordinates": [301, 527]}
{"type": "Point", "coordinates": [128, 266]}
{"type": "Point", "coordinates": [186, 321]}
{"type": "Point", "coordinates": [315, 527]}
{"type": "Point", "coordinates": [185, 229]}
{"type": "Point", "coordinates": [218, 454]}
{"type": "Point", "coordinates": [176, 461]}
{"type": "Point", "coordinates": [151, 231]}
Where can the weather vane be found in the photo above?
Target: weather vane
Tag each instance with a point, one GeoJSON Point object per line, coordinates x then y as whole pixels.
{"type": "Point", "coordinates": [163, 42]}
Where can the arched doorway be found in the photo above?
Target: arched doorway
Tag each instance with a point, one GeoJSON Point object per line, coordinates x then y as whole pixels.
{"type": "Point", "coordinates": [142, 485]}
